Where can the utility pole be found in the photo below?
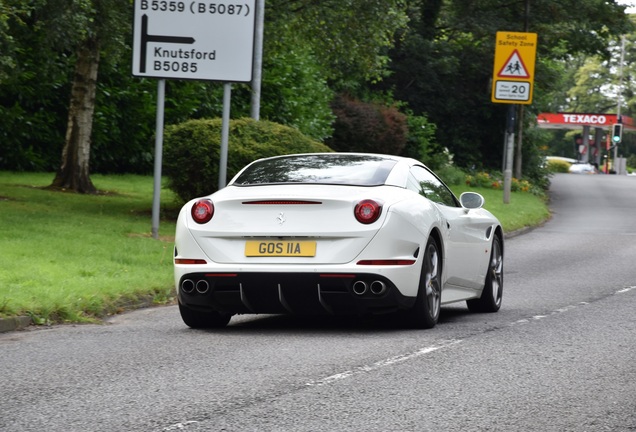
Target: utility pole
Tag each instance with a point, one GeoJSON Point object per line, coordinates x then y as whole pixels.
{"type": "Point", "coordinates": [619, 96]}
{"type": "Point", "coordinates": [518, 152]}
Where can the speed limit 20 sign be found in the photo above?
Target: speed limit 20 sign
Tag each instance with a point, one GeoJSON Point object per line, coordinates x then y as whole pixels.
{"type": "Point", "coordinates": [200, 40]}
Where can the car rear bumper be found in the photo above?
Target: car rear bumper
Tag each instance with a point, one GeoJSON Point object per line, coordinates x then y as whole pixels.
{"type": "Point", "coordinates": [295, 293]}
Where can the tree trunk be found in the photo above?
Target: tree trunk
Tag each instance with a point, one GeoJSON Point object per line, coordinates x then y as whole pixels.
{"type": "Point", "coordinates": [74, 170]}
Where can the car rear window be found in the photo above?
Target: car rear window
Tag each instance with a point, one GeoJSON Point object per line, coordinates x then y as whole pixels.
{"type": "Point", "coordinates": [343, 169]}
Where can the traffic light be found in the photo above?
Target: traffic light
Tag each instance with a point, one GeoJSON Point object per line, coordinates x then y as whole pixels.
{"type": "Point", "coordinates": [617, 133]}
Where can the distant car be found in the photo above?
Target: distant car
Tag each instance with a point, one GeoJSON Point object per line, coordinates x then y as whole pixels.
{"type": "Point", "coordinates": [336, 233]}
{"type": "Point", "coordinates": [560, 158]}
{"type": "Point", "coordinates": [582, 168]}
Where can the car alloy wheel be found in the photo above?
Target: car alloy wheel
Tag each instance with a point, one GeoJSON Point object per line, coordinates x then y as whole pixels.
{"type": "Point", "coordinates": [425, 312]}
{"type": "Point", "coordinates": [492, 294]}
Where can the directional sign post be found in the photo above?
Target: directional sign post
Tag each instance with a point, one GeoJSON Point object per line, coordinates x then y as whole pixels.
{"type": "Point", "coordinates": [194, 39]}
{"type": "Point", "coordinates": [513, 71]}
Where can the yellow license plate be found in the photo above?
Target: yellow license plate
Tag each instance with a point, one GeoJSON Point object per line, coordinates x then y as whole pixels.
{"type": "Point", "coordinates": [283, 248]}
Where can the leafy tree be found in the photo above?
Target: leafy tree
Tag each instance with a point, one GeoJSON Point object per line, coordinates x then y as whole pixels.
{"type": "Point", "coordinates": [6, 40]}
{"type": "Point", "coordinates": [33, 92]}
{"type": "Point", "coordinates": [88, 28]}
{"type": "Point", "coordinates": [587, 95]}
{"type": "Point", "coordinates": [295, 91]}
{"type": "Point", "coordinates": [51, 36]}
{"type": "Point", "coordinates": [598, 86]}
{"type": "Point", "coordinates": [350, 37]}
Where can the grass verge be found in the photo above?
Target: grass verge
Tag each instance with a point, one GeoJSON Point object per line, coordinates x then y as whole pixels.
{"type": "Point", "coordinates": [74, 258]}
{"type": "Point", "coordinates": [68, 257]}
{"type": "Point", "coordinates": [523, 210]}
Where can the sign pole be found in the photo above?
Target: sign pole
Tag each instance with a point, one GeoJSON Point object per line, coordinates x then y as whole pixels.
{"type": "Point", "coordinates": [225, 133]}
{"type": "Point", "coordinates": [258, 59]}
{"type": "Point", "coordinates": [197, 40]}
{"type": "Point", "coordinates": [161, 94]}
{"type": "Point", "coordinates": [510, 140]}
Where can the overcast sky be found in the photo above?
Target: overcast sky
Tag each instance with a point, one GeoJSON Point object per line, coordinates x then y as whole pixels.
{"type": "Point", "coordinates": [631, 5]}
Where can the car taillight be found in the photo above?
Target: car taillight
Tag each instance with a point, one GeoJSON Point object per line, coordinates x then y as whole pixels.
{"type": "Point", "coordinates": [202, 211]}
{"type": "Point", "coordinates": [367, 211]}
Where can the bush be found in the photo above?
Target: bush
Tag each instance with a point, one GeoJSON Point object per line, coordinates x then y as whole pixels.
{"type": "Point", "coordinates": [517, 185]}
{"type": "Point", "coordinates": [421, 144]}
{"type": "Point", "coordinates": [368, 127]}
{"type": "Point", "coordinates": [485, 180]}
{"type": "Point", "coordinates": [631, 163]}
{"type": "Point", "coordinates": [451, 175]}
{"type": "Point", "coordinates": [191, 151]}
{"type": "Point", "coordinates": [558, 166]}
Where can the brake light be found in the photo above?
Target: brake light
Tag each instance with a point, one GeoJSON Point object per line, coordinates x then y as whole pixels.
{"type": "Point", "coordinates": [367, 211]}
{"type": "Point", "coordinates": [202, 211]}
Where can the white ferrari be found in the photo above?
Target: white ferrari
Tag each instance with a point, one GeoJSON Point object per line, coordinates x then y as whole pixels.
{"type": "Point", "coordinates": [336, 233]}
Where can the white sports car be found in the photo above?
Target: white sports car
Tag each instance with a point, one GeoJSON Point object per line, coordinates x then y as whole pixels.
{"type": "Point", "coordinates": [336, 233]}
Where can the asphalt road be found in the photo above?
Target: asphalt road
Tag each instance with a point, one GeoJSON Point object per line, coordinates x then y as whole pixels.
{"type": "Point", "coordinates": [559, 356]}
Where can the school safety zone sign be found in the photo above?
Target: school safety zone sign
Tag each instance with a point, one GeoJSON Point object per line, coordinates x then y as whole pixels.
{"type": "Point", "coordinates": [194, 40]}
{"type": "Point", "coordinates": [513, 69]}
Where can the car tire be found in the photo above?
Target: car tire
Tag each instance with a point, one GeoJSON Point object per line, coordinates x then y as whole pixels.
{"type": "Point", "coordinates": [425, 312]}
{"type": "Point", "coordinates": [491, 295]}
{"type": "Point", "coordinates": [202, 320]}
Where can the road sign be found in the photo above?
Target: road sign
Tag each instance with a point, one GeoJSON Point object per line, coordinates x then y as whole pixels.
{"type": "Point", "coordinates": [194, 40]}
{"type": "Point", "coordinates": [513, 71]}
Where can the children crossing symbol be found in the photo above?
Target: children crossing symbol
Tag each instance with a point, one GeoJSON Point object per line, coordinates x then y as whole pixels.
{"type": "Point", "coordinates": [514, 67]}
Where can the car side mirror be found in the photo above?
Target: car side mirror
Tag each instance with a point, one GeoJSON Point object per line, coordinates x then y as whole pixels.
{"type": "Point", "coordinates": [471, 200]}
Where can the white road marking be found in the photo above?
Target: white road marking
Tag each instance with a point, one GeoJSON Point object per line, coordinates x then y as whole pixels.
{"type": "Point", "coordinates": [179, 426]}
{"type": "Point", "coordinates": [383, 363]}
{"type": "Point", "coordinates": [427, 350]}
{"type": "Point", "coordinates": [624, 290]}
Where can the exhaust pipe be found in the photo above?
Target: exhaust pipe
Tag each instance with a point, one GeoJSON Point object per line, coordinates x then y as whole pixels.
{"type": "Point", "coordinates": [187, 286]}
{"type": "Point", "coordinates": [203, 286]}
{"type": "Point", "coordinates": [378, 287]}
{"type": "Point", "coordinates": [359, 287]}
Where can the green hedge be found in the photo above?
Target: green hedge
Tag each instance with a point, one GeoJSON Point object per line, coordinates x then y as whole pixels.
{"type": "Point", "coordinates": [191, 151]}
{"type": "Point", "coordinates": [558, 166]}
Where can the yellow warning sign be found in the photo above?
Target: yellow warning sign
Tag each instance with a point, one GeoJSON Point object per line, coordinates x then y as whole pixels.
{"type": "Point", "coordinates": [513, 71]}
